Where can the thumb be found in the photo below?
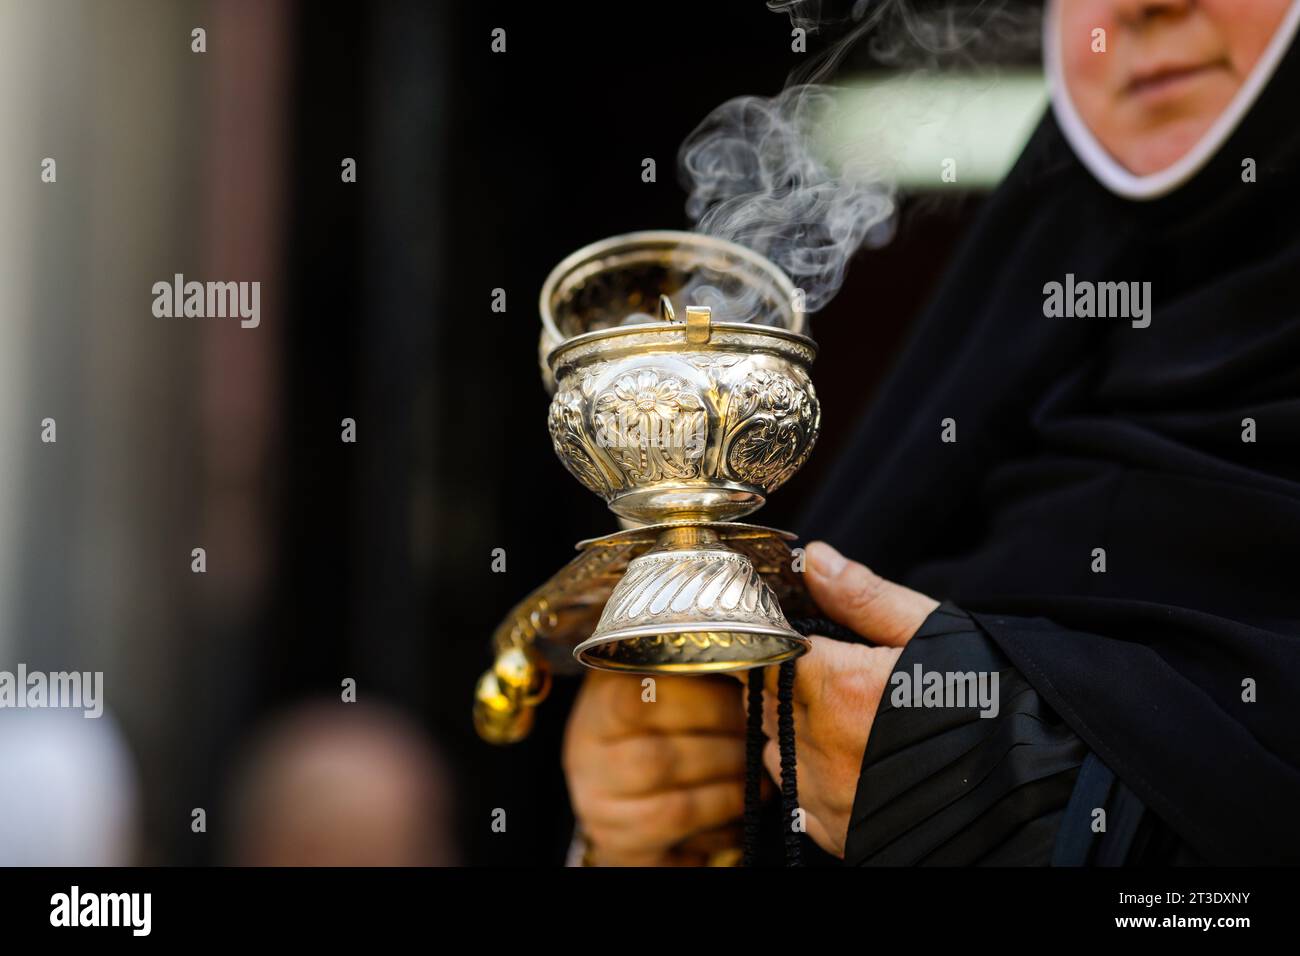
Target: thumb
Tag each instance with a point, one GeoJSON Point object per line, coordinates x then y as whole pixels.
{"type": "Point", "coordinates": [853, 595]}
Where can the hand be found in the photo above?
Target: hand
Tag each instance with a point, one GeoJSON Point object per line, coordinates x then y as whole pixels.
{"type": "Point", "coordinates": [838, 687]}
{"type": "Point", "coordinates": [656, 783]}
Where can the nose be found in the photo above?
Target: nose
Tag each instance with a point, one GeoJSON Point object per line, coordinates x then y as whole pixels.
{"type": "Point", "coordinates": [1139, 12]}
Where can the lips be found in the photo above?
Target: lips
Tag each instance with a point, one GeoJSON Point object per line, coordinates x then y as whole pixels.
{"type": "Point", "coordinates": [1168, 77]}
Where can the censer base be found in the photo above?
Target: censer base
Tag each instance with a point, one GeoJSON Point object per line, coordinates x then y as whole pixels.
{"type": "Point", "coordinates": [691, 651]}
{"type": "Point", "coordinates": [691, 605]}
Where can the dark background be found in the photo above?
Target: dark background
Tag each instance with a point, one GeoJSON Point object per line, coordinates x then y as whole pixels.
{"type": "Point", "coordinates": [481, 171]}
{"type": "Point", "coordinates": [327, 560]}
{"type": "Point", "coordinates": [538, 151]}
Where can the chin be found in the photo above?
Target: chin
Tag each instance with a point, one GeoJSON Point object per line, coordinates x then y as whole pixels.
{"type": "Point", "coordinates": [1147, 153]}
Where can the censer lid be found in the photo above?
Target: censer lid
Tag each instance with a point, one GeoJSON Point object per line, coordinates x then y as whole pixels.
{"type": "Point", "coordinates": [619, 281]}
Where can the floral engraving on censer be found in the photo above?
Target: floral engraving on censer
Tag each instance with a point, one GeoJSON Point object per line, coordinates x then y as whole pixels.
{"type": "Point", "coordinates": [775, 421]}
{"type": "Point", "coordinates": [739, 421]}
{"type": "Point", "coordinates": [653, 425]}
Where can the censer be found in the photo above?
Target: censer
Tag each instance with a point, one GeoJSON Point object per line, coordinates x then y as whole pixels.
{"type": "Point", "coordinates": [679, 370]}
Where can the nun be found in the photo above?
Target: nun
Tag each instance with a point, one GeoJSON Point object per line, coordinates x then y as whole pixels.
{"type": "Point", "coordinates": [1062, 551]}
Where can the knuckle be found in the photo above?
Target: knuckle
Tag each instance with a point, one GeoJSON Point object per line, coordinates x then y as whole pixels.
{"type": "Point", "coordinates": [673, 813]}
{"type": "Point", "coordinates": [623, 702]}
{"type": "Point", "coordinates": [857, 685]}
{"type": "Point", "coordinates": [644, 763]}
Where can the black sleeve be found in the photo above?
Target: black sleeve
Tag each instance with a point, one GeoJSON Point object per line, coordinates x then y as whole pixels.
{"type": "Point", "coordinates": [968, 765]}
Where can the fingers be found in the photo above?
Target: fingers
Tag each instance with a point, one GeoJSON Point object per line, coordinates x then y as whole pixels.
{"type": "Point", "coordinates": [649, 765]}
{"type": "Point", "coordinates": [713, 841]}
{"type": "Point", "coordinates": [815, 676]}
{"type": "Point", "coordinates": [661, 820]}
{"type": "Point", "coordinates": [771, 677]}
{"type": "Point", "coordinates": [627, 704]}
{"type": "Point", "coordinates": [653, 762]}
{"type": "Point", "coordinates": [698, 850]}
{"type": "Point", "coordinates": [602, 855]}
{"type": "Point", "coordinates": [853, 595]}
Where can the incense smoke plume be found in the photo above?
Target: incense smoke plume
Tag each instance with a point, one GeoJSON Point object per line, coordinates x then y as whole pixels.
{"type": "Point", "coordinates": [756, 180]}
{"type": "Point", "coordinates": [752, 169]}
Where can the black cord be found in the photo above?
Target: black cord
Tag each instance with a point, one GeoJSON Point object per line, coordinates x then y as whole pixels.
{"type": "Point", "coordinates": [753, 766]}
{"type": "Point", "coordinates": [785, 737]}
{"type": "Point", "coordinates": [754, 741]}
{"type": "Point", "coordinates": [789, 781]}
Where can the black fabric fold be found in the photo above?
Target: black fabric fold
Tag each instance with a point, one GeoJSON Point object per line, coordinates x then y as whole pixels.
{"type": "Point", "coordinates": [944, 785]}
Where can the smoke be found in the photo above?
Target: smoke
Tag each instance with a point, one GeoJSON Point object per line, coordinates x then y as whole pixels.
{"type": "Point", "coordinates": [755, 179]}
{"type": "Point", "coordinates": [752, 169]}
